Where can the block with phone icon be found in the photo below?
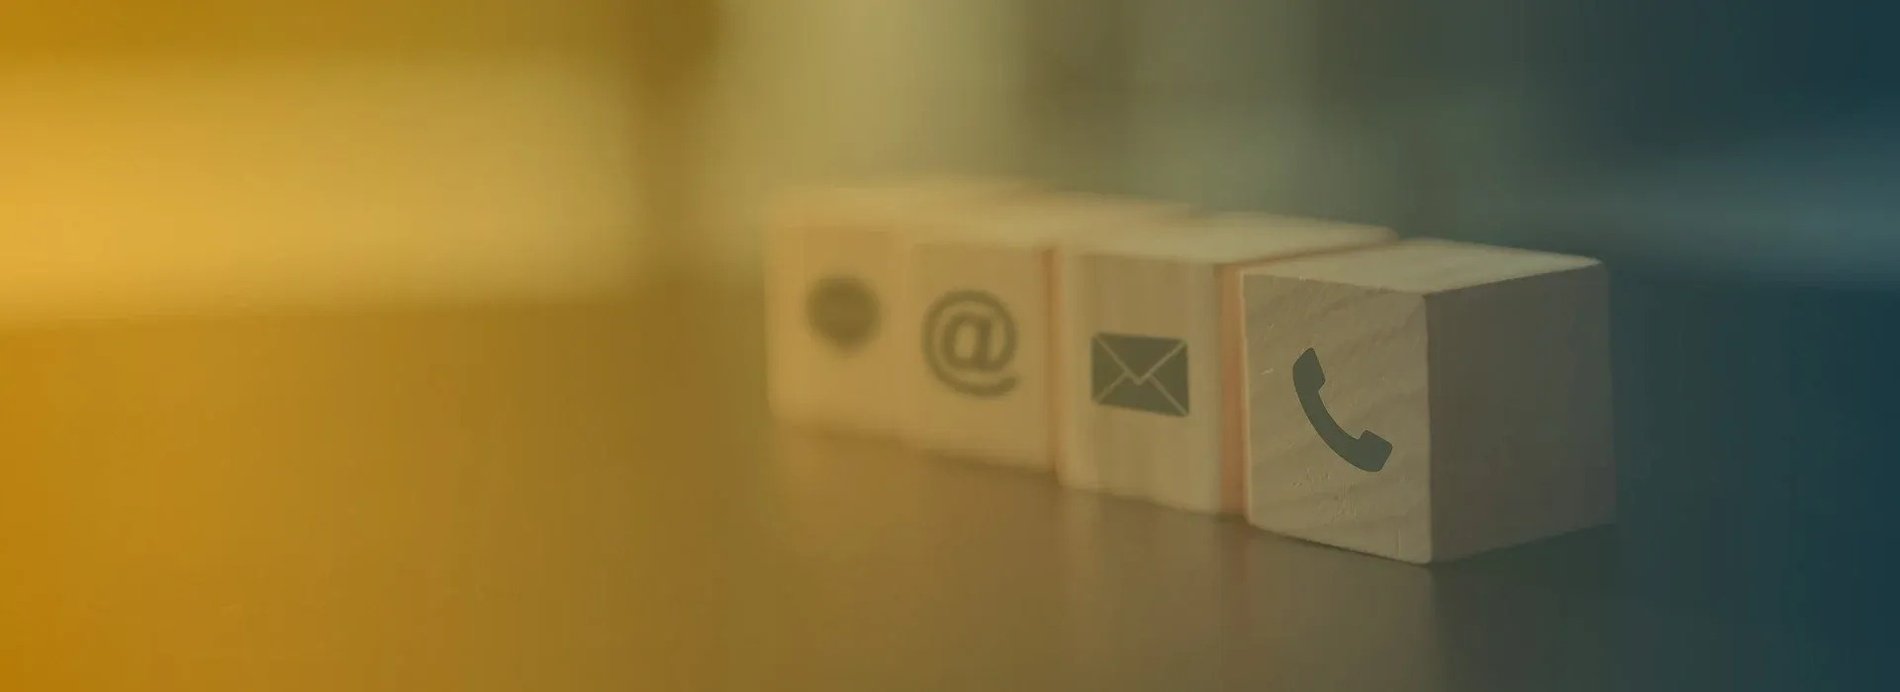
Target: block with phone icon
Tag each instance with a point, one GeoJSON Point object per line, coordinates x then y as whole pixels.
{"type": "Point", "coordinates": [1428, 400]}
{"type": "Point", "coordinates": [837, 328]}
{"type": "Point", "coordinates": [979, 363]}
{"type": "Point", "coordinates": [1150, 347]}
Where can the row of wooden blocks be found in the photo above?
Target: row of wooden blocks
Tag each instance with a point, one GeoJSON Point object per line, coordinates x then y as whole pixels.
{"type": "Point", "coordinates": [1417, 399]}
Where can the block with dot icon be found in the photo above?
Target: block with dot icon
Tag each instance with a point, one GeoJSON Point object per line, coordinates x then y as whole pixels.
{"type": "Point", "coordinates": [1428, 400]}
{"type": "Point", "coordinates": [1150, 347]}
{"type": "Point", "coordinates": [979, 365]}
{"type": "Point", "coordinates": [837, 332]}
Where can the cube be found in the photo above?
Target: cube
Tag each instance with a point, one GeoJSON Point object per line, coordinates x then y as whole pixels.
{"type": "Point", "coordinates": [1151, 347]}
{"type": "Point", "coordinates": [835, 287]}
{"type": "Point", "coordinates": [1428, 400]}
{"type": "Point", "coordinates": [980, 360]}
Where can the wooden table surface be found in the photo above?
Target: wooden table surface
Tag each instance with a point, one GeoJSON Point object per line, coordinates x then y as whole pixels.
{"type": "Point", "coordinates": [591, 497]}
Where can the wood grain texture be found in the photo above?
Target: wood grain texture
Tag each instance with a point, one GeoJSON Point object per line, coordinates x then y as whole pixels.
{"type": "Point", "coordinates": [1485, 369]}
{"type": "Point", "coordinates": [1372, 346]}
{"type": "Point", "coordinates": [979, 369]}
{"type": "Point", "coordinates": [1521, 411]}
{"type": "Point", "coordinates": [1170, 459]}
{"type": "Point", "coordinates": [845, 248]}
{"type": "Point", "coordinates": [1172, 286]}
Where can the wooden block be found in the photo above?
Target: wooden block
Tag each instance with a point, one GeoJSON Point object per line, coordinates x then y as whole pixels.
{"type": "Point", "coordinates": [834, 297]}
{"type": "Point", "coordinates": [1428, 400]}
{"type": "Point", "coordinates": [1150, 342]}
{"type": "Point", "coordinates": [981, 356]}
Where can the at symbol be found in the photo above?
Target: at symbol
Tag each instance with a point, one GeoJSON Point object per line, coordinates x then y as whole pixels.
{"type": "Point", "coordinates": [969, 341]}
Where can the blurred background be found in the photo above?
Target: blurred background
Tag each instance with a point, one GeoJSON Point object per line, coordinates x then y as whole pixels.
{"type": "Point", "coordinates": [219, 153]}
{"type": "Point", "coordinates": [270, 273]}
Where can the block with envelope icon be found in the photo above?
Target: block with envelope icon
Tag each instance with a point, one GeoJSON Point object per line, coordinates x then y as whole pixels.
{"type": "Point", "coordinates": [837, 328]}
{"type": "Point", "coordinates": [1140, 373]}
{"type": "Point", "coordinates": [979, 362]}
{"type": "Point", "coordinates": [1428, 400]}
{"type": "Point", "coordinates": [1150, 338]}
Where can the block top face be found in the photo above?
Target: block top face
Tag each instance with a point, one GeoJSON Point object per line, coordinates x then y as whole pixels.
{"type": "Point", "coordinates": [1424, 266]}
{"type": "Point", "coordinates": [1237, 238]}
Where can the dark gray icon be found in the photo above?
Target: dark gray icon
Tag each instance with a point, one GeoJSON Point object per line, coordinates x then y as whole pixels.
{"type": "Point", "coordinates": [843, 311]}
{"type": "Point", "coordinates": [1144, 373]}
{"type": "Point", "coordinates": [969, 341]}
{"type": "Point", "coordinates": [1368, 451]}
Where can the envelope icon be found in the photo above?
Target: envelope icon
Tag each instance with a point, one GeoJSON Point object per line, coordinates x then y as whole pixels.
{"type": "Point", "coordinates": [1144, 373]}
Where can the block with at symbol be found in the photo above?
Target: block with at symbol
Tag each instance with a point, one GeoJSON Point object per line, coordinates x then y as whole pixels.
{"type": "Point", "coordinates": [1150, 344]}
{"type": "Point", "coordinates": [979, 374]}
{"type": "Point", "coordinates": [837, 330]}
{"type": "Point", "coordinates": [1428, 400]}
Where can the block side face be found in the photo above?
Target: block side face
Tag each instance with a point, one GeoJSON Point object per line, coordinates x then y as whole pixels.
{"type": "Point", "coordinates": [836, 286]}
{"type": "Point", "coordinates": [977, 371]}
{"type": "Point", "coordinates": [1521, 411]}
{"type": "Point", "coordinates": [1142, 409]}
{"type": "Point", "coordinates": [1233, 381]}
{"type": "Point", "coordinates": [833, 293]}
{"type": "Point", "coordinates": [1339, 446]}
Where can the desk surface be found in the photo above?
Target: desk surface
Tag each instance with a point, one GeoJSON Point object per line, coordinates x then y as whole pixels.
{"type": "Point", "coordinates": [592, 498]}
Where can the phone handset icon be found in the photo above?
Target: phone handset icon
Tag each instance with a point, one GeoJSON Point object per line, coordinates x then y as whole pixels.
{"type": "Point", "coordinates": [1368, 451]}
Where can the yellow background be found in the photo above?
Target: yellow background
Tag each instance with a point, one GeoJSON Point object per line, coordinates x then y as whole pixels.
{"type": "Point", "coordinates": [184, 157]}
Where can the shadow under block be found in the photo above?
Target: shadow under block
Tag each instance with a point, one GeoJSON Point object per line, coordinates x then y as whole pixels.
{"type": "Point", "coordinates": [834, 285]}
{"type": "Point", "coordinates": [1150, 347]}
{"type": "Point", "coordinates": [979, 361]}
{"type": "Point", "coordinates": [1428, 400]}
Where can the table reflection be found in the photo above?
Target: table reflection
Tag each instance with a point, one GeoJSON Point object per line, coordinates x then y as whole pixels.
{"type": "Point", "coordinates": [885, 569]}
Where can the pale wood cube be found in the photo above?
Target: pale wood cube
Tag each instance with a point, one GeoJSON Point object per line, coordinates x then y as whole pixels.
{"type": "Point", "coordinates": [1151, 346]}
{"type": "Point", "coordinates": [836, 335]}
{"type": "Point", "coordinates": [980, 360]}
{"type": "Point", "coordinates": [1428, 400]}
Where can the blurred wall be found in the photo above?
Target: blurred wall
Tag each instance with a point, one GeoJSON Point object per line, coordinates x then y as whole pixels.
{"type": "Point", "coordinates": [190, 157]}
{"type": "Point", "coordinates": [164, 158]}
{"type": "Point", "coordinates": [843, 90]}
{"type": "Point", "coordinates": [1751, 139]}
